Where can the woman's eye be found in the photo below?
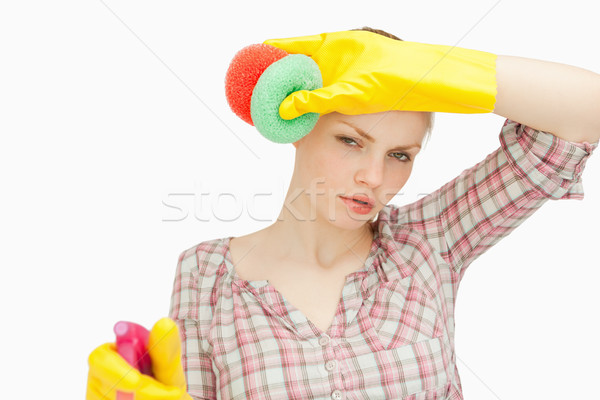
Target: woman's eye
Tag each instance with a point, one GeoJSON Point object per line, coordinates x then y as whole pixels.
{"type": "Point", "coordinates": [401, 156]}
{"type": "Point", "coordinates": [352, 143]}
{"type": "Point", "coordinates": [347, 140]}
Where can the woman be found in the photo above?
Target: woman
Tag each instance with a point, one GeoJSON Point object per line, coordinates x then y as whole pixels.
{"type": "Point", "coordinates": [345, 296]}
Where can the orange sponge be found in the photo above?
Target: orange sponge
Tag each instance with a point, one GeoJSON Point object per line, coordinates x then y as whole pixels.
{"type": "Point", "coordinates": [259, 78]}
{"type": "Point", "coordinates": [244, 70]}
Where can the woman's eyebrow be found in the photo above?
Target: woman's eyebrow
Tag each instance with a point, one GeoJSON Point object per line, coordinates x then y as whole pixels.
{"type": "Point", "coordinates": [359, 131]}
{"type": "Point", "coordinates": [371, 139]}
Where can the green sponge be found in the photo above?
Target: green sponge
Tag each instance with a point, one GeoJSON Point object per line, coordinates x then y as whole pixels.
{"type": "Point", "coordinates": [291, 73]}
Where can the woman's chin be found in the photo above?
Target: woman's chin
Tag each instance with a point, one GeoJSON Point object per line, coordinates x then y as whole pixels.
{"type": "Point", "coordinates": [346, 220]}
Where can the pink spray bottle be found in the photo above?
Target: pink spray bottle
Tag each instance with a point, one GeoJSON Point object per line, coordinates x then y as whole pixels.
{"type": "Point", "coordinates": [132, 345]}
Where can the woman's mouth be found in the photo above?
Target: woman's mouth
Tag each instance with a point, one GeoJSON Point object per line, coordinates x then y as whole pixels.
{"type": "Point", "coordinates": [359, 204]}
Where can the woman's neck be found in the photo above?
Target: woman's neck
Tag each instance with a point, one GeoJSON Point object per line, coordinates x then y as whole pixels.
{"type": "Point", "coordinates": [315, 241]}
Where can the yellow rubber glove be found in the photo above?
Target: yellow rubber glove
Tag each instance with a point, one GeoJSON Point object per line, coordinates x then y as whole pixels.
{"type": "Point", "coordinates": [110, 373]}
{"type": "Point", "coordinates": [364, 72]}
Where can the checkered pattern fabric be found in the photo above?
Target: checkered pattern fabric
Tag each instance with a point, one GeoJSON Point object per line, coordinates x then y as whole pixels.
{"type": "Point", "coordinates": [393, 334]}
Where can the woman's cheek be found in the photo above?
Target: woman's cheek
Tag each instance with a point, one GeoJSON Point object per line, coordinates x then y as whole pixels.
{"type": "Point", "coordinates": [393, 187]}
{"type": "Point", "coordinates": [332, 166]}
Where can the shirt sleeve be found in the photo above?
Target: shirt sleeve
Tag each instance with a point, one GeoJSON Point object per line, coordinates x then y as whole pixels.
{"type": "Point", "coordinates": [485, 203]}
{"type": "Point", "coordinates": [184, 310]}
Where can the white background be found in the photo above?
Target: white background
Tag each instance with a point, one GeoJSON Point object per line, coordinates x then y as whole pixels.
{"type": "Point", "coordinates": [111, 111]}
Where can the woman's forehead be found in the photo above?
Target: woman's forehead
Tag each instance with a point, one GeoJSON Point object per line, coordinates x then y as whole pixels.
{"type": "Point", "coordinates": [383, 124]}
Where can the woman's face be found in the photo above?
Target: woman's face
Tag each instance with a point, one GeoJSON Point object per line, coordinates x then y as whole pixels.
{"type": "Point", "coordinates": [349, 160]}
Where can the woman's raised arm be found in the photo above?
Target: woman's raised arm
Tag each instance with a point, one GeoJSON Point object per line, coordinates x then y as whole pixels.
{"type": "Point", "coordinates": [557, 98]}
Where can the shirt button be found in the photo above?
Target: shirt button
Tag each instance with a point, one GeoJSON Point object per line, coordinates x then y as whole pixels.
{"type": "Point", "coordinates": [323, 340]}
{"type": "Point", "coordinates": [336, 395]}
{"type": "Point", "coordinates": [330, 365]}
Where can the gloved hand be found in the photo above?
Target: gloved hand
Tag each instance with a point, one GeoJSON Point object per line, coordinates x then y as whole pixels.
{"type": "Point", "coordinates": [364, 72]}
{"type": "Point", "coordinates": [110, 373]}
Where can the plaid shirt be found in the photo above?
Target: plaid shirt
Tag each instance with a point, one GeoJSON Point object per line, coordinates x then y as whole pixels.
{"type": "Point", "coordinates": [393, 333]}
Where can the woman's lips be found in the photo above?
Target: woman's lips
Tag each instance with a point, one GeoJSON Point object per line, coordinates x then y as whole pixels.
{"type": "Point", "coordinates": [362, 199]}
{"type": "Point", "coordinates": [358, 204]}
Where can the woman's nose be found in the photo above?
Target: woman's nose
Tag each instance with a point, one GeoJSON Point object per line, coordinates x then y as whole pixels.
{"type": "Point", "coordinates": [370, 172]}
